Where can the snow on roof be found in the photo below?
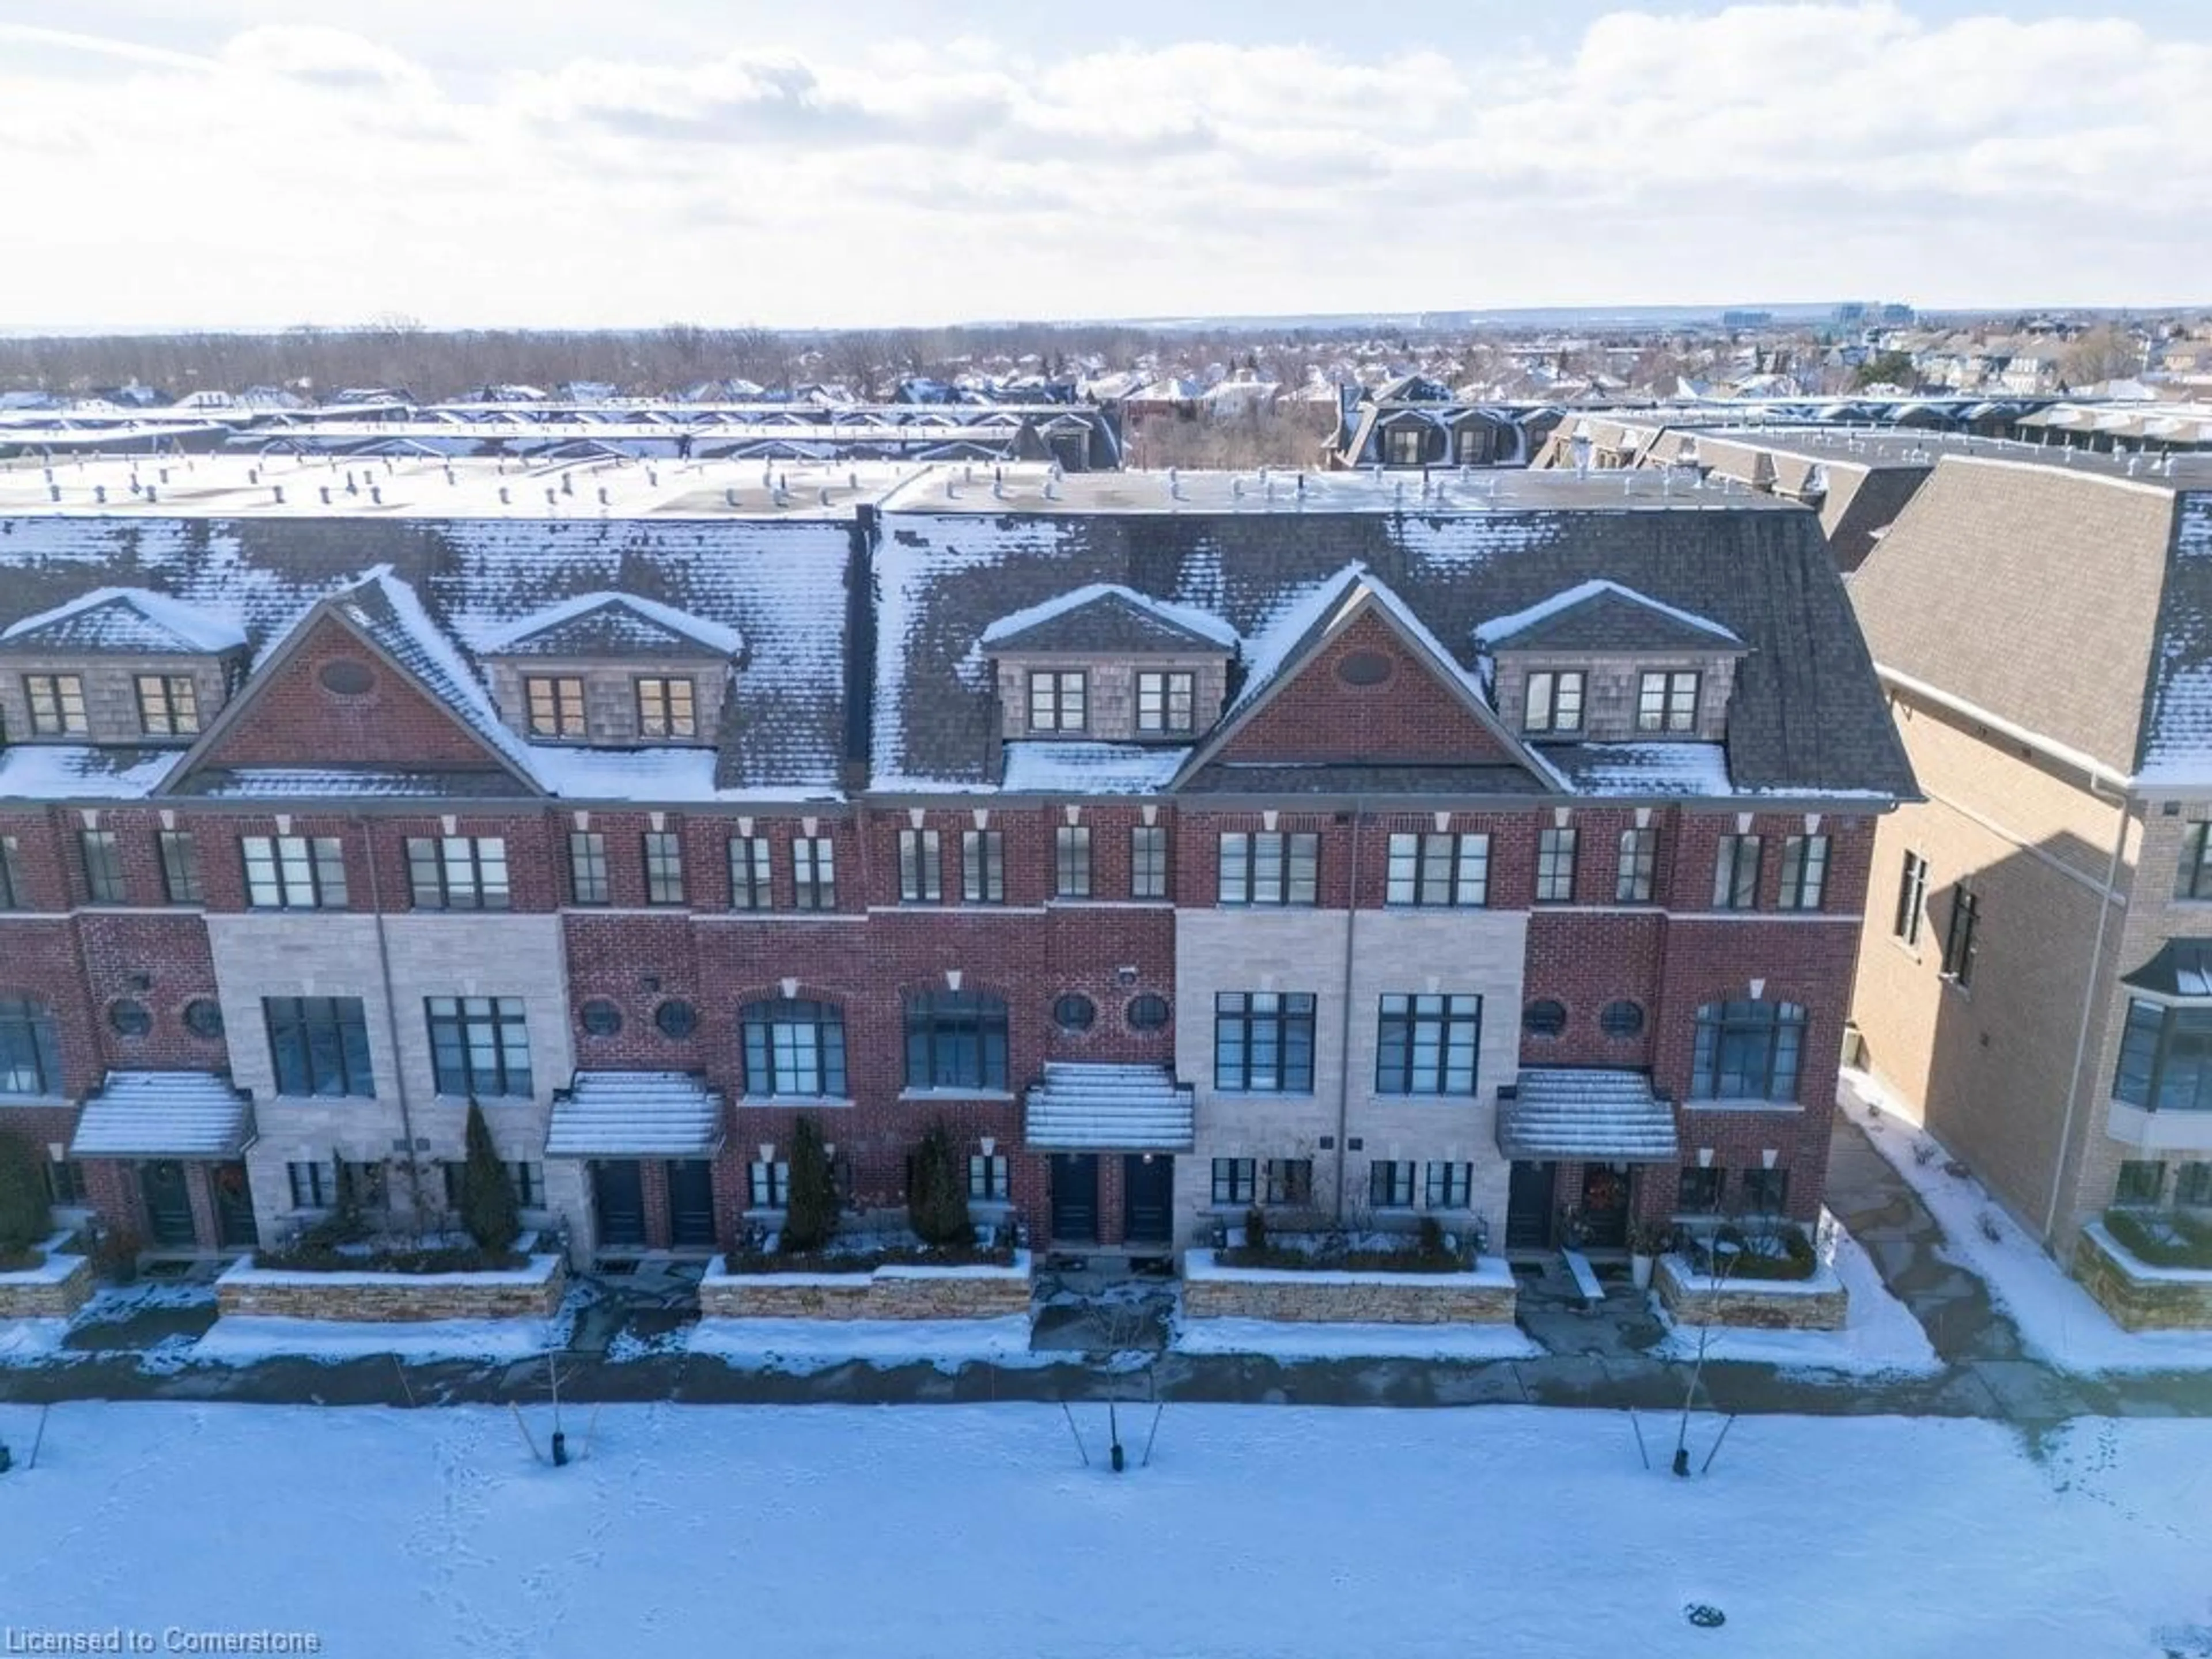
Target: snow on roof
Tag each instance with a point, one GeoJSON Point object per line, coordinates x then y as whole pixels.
{"type": "Point", "coordinates": [723, 640]}
{"type": "Point", "coordinates": [1098, 1105]}
{"type": "Point", "coordinates": [1051, 767]}
{"type": "Point", "coordinates": [68, 771]}
{"type": "Point", "coordinates": [667, 776]}
{"type": "Point", "coordinates": [635, 1115]}
{"type": "Point", "coordinates": [1270, 647]}
{"type": "Point", "coordinates": [163, 1114]}
{"type": "Point", "coordinates": [1646, 768]}
{"type": "Point", "coordinates": [1499, 628]}
{"type": "Point", "coordinates": [1183, 616]}
{"type": "Point", "coordinates": [134, 619]}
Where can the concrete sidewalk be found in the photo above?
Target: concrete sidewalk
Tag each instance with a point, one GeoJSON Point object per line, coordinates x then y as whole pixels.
{"type": "Point", "coordinates": [1597, 1360]}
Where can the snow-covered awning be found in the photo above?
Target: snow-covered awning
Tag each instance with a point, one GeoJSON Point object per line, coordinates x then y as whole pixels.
{"type": "Point", "coordinates": [164, 1114]}
{"type": "Point", "coordinates": [1573, 1114]}
{"type": "Point", "coordinates": [635, 1115]}
{"type": "Point", "coordinates": [1097, 1107]}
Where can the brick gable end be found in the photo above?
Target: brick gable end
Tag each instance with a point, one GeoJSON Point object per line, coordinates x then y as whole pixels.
{"type": "Point", "coordinates": [291, 719]}
{"type": "Point", "coordinates": [1409, 715]}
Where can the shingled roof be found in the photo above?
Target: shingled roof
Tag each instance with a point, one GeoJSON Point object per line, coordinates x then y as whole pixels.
{"type": "Point", "coordinates": [780, 585]}
{"type": "Point", "coordinates": [1808, 714]}
{"type": "Point", "coordinates": [1603, 616]}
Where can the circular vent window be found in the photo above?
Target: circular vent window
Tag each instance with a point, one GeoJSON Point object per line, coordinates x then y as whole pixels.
{"type": "Point", "coordinates": [1621, 1019]}
{"type": "Point", "coordinates": [1545, 1019]}
{"type": "Point", "coordinates": [601, 1018]}
{"type": "Point", "coordinates": [1363, 668]}
{"type": "Point", "coordinates": [1147, 1012]}
{"type": "Point", "coordinates": [129, 1019]}
{"type": "Point", "coordinates": [676, 1020]}
{"type": "Point", "coordinates": [1074, 1012]}
{"type": "Point", "coordinates": [203, 1017]}
{"type": "Point", "coordinates": [345, 677]}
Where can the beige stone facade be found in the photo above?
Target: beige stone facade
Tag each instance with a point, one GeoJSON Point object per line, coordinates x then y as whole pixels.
{"type": "Point", "coordinates": [2141, 1300]}
{"type": "Point", "coordinates": [325, 954]}
{"type": "Point", "coordinates": [1782, 1306]}
{"type": "Point", "coordinates": [1339, 1298]}
{"type": "Point", "coordinates": [1347, 960]}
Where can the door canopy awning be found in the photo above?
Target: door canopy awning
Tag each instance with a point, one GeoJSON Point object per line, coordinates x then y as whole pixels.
{"type": "Point", "coordinates": [2181, 969]}
{"type": "Point", "coordinates": [636, 1114]}
{"type": "Point", "coordinates": [1096, 1107]}
{"type": "Point", "coordinates": [1587, 1114]}
{"type": "Point", "coordinates": [164, 1114]}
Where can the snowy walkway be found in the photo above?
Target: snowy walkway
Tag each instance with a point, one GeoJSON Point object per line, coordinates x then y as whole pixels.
{"type": "Point", "coordinates": [976, 1532]}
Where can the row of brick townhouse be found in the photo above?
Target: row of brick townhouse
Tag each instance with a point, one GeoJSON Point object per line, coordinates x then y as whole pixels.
{"type": "Point", "coordinates": [1494, 848]}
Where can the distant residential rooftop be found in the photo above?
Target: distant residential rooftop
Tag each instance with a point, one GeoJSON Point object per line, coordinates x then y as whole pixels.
{"type": "Point", "coordinates": [1888, 448]}
{"type": "Point", "coordinates": [222, 486]}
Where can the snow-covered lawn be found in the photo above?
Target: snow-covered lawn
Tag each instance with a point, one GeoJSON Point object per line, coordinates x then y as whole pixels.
{"type": "Point", "coordinates": [973, 1531]}
{"type": "Point", "coordinates": [1880, 1335]}
{"type": "Point", "coordinates": [2059, 1321]}
{"type": "Point", "coordinates": [243, 1339]}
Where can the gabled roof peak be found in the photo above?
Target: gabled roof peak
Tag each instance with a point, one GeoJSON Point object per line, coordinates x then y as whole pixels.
{"type": "Point", "coordinates": [126, 619]}
{"type": "Point", "coordinates": [611, 622]}
{"type": "Point", "coordinates": [1600, 614]}
{"type": "Point", "coordinates": [1107, 616]}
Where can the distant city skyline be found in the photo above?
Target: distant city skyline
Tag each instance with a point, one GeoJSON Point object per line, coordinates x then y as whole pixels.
{"type": "Point", "coordinates": [214, 163]}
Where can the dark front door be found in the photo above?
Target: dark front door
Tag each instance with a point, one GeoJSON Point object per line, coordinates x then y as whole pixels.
{"type": "Point", "coordinates": [1605, 1206]}
{"type": "Point", "coordinates": [233, 1207]}
{"type": "Point", "coordinates": [1529, 1206]}
{"type": "Point", "coordinates": [1075, 1198]}
{"type": "Point", "coordinates": [690, 1203]}
{"type": "Point", "coordinates": [168, 1204]}
{"type": "Point", "coordinates": [619, 1188]}
{"type": "Point", "coordinates": [1147, 1198]}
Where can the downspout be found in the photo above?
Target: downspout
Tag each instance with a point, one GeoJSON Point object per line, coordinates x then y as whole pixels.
{"type": "Point", "coordinates": [1344, 1034]}
{"type": "Point", "coordinates": [391, 1018]}
{"type": "Point", "coordinates": [2089, 1008]}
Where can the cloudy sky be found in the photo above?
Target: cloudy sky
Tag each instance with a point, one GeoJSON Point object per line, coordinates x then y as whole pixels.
{"type": "Point", "coordinates": [571, 162]}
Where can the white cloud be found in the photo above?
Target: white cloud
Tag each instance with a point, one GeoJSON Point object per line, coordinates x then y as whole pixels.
{"type": "Point", "coordinates": [1765, 151]}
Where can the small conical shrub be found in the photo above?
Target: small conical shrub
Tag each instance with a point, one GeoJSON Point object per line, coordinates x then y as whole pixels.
{"type": "Point", "coordinates": [25, 1218]}
{"type": "Point", "coordinates": [810, 1213]}
{"type": "Point", "coordinates": [937, 1202]}
{"type": "Point", "coordinates": [488, 1206]}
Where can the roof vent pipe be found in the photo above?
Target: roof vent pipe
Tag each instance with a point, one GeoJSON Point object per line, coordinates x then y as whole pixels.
{"type": "Point", "coordinates": [280, 494]}
{"type": "Point", "coordinates": [53, 492]}
{"type": "Point", "coordinates": [376, 495]}
{"type": "Point", "coordinates": [568, 484]}
{"type": "Point", "coordinates": [324, 490]}
{"type": "Point", "coordinates": [602, 494]}
{"type": "Point", "coordinates": [730, 496]}
{"type": "Point", "coordinates": [99, 494]}
{"type": "Point", "coordinates": [504, 501]}
{"type": "Point", "coordinates": [150, 496]}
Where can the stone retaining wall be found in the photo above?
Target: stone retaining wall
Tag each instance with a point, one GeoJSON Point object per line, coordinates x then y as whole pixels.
{"type": "Point", "coordinates": [887, 1294]}
{"type": "Point", "coordinates": [1212, 1292]}
{"type": "Point", "coordinates": [2139, 1297]}
{"type": "Point", "coordinates": [1815, 1304]}
{"type": "Point", "coordinates": [532, 1292]}
{"type": "Point", "coordinates": [54, 1290]}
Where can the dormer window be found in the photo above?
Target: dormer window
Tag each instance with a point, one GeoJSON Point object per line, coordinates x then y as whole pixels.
{"type": "Point", "coordinates": [1059, 700]}
{"type": "Point", "coordinates": [1554, 701]}
{"type": "Point", "coordinates": [665, 709]}
{"type": "Point", "coordinates": [1167, 702]}
{"type": "Point", "coordinates": [168, 706]}
{"type": "Point", "coordinates": [611, 669]}
{"type": "Point", "coordinates": [57, 704]}
{"type": "Point", "coordinates": [1667, 701]}
{"type": "Point", "coordinates": [556, 705]}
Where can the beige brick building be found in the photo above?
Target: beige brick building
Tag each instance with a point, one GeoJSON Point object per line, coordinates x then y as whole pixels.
{"type": "Point", "coordinates": [2029, 976]}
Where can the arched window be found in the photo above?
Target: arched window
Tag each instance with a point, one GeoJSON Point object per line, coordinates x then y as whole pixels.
{"type": "Point", "coordinates": [956, 1040]}
{"type": "Point", "coordinates": [1747, 1051]}
{"type": "Point", "coordinates": [793, 1046]}
{"type": "Point", "coordinates": [30, 1052]}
